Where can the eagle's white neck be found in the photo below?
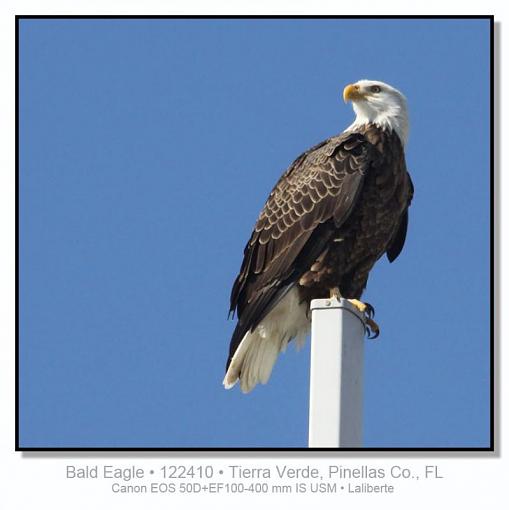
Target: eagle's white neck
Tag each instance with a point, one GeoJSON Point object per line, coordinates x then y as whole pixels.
{"type": "Point", "coordinates": [392, 116]}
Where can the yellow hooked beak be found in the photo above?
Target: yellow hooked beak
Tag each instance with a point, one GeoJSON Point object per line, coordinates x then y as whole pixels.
{"type": "Point", "coordinates": [352, 92]}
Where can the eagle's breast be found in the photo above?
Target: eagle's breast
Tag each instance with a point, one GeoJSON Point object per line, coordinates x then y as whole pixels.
{"type": "Point", "coordinates": [357, 244]}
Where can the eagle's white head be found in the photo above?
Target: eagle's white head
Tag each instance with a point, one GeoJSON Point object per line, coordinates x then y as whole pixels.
{"type": "Point", "coordinates": [378, 103]}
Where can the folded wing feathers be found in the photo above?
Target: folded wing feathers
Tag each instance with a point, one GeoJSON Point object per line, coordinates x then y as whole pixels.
{"type": "Point", "coordinates": [321, 184]}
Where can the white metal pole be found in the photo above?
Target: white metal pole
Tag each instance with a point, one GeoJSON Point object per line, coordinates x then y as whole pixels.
{"type": "Point", "coordinates": [337, 360]}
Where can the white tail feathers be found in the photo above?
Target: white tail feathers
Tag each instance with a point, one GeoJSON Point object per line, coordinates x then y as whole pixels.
{"type": "Point", "coordinates": [253, 362]}
{"type": "Point", "coordinates": [255, 356]}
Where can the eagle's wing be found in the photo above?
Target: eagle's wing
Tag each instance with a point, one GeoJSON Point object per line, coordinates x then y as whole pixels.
{"type": "Point", "coordinates": [322, 184]}
{"type": "Point", "coordinates": [397, 243]}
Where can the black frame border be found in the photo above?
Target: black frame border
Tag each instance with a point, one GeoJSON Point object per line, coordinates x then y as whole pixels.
{"type": "Point", "coordinates": [490, 448]}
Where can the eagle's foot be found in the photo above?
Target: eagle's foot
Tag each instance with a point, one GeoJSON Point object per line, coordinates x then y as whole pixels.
{"type": "Point", "coordinates": [364, 308]}
{"type": "Point", "coordinates": [334, 293]}
{"type": "Point", "coordinates": [368, 311]}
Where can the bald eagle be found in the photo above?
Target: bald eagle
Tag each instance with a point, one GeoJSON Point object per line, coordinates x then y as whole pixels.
{"type": "Point", "coordinates": [338, 208]}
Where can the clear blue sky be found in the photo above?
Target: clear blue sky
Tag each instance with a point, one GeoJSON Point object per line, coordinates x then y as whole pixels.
{"type": "Point", "coordinates": [148, 147]}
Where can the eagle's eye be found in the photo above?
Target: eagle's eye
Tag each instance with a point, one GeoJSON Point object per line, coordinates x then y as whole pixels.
{"type": "Point", "coordinates": [376, 89]}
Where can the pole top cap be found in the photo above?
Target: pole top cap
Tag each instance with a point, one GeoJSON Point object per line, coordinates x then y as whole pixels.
{"type": "Point", "coordinates": [334, 303]}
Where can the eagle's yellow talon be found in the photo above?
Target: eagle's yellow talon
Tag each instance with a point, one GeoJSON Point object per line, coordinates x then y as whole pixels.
{"type": "Point", "coordinates": [363, 307]}
{"type": "Point", "coordinates": [369, 312]}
